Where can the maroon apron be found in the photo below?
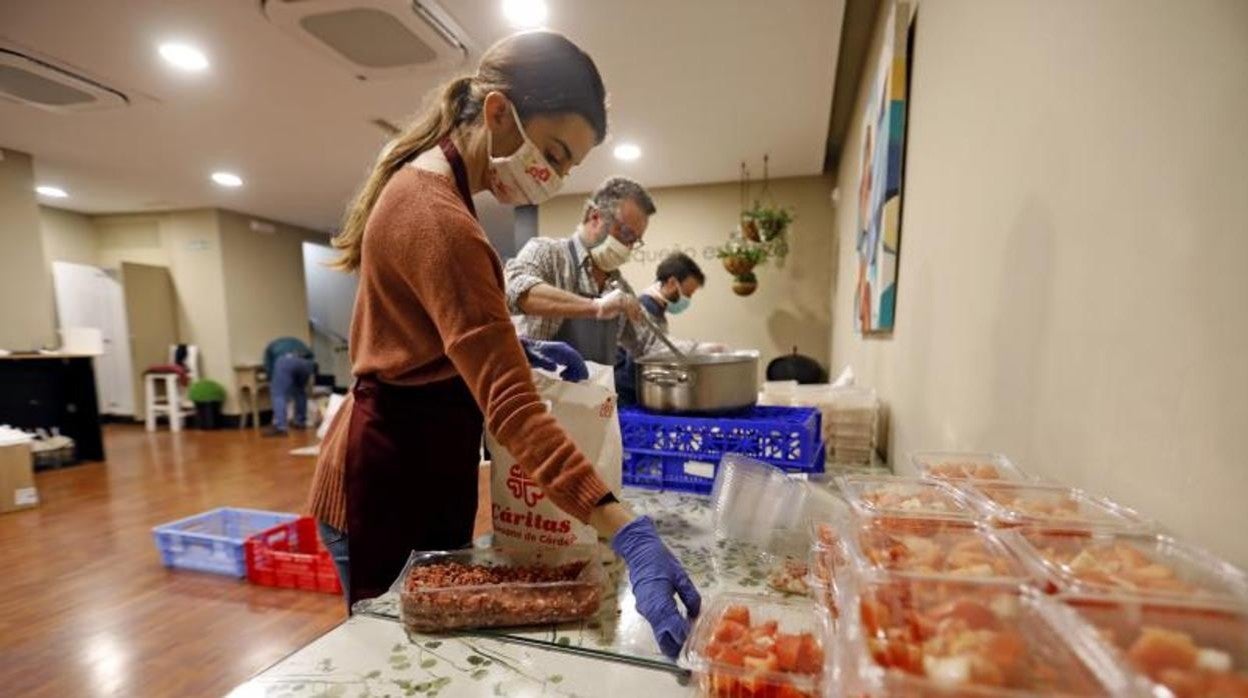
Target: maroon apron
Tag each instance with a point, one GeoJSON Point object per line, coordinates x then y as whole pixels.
{"type": "Point", "coordinates": [411, 465]}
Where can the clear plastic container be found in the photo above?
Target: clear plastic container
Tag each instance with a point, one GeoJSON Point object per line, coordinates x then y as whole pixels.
{"type": "Point", "coordinates": [1149, 565]}
{"type": "Point", "coordinates": [1190, 650]}
{"type": "Point", "coordinates": [968, 466]}
{"type": "Point", "coordinates": [480, 588]}
{"type": "Point", "coordinates": [776, 651]}
{"type": "Point", "coordinates": [874, 495]}
{"type": "Point", "coordinates": [932, 549]}
{"type": "Point", "coordinates": [751, 499]}
{"type": "Point", "coordinates": [1049, 506]}
{"type": "Point", "coordinates": [908, 637]}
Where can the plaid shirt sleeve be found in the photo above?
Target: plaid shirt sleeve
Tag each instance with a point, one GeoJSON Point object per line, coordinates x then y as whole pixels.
{"type": "Point", "coordinates": [535, 263]}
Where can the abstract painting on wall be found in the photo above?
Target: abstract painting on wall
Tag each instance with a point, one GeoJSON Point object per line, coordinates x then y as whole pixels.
{"type": "Point", "coordinates": [881, 178]}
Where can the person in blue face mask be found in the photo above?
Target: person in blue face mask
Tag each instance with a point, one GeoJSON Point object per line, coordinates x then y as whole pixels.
{"type": "Point", "coordinates": [677, 279]}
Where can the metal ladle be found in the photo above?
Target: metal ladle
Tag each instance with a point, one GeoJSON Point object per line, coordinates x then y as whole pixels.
{"type": "Point", "coordinates": [624, 286]}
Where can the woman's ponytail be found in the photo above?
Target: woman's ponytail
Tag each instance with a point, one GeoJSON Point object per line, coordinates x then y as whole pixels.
{"type": "Point", "coordinates": [423, 133]}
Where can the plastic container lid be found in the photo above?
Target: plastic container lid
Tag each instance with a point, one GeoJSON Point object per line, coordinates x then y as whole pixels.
{"type": "Point", "coordinates": [1049, 506]}
{"type": "Point", "coordinates": [929, 549]}
{"type": "Point", "coordinates": [910, 637]}
{"type": "Point", "coordinates": [1154, 566]}
{"type": "Point", "coordinates": [714, 650]}
{"type": "Point", "coordinates": [1188, 649]}
{"type": "Point", "coordinates": [949, 465]}
{"type": "Point", "coordinates": [881, 495]}
{"type": "Point", "coordinates": [437, 607]}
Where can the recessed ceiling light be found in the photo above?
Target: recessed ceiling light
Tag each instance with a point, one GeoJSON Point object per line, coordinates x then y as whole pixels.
{"type": "Point", "coordinates": [227, 179]}
{"type": "Point", "coordinates": [51, 192]}
{"type": "Point", "coordinates": [627, 151]}
{"type": "Point", "coordinates": [183, 56]}
{"type": "Point", "coordinates": [525, 13]}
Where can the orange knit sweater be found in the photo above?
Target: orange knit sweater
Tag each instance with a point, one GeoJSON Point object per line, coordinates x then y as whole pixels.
{"type": "Point", "coordinates": [431, 305]}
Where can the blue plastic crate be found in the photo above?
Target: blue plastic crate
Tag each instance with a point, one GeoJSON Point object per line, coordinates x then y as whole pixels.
{"type": "Point", "coordinates": [787, 436]}
{"type": "Point", "coordinates": [213, 541]}
{"type": "Point", "coordinates": [686, 473]}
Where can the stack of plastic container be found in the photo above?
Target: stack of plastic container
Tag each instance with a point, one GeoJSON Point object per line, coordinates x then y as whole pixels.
{"type": "Point", "coordinates": [850, 422]}
{"type": "Point", "coordinates": [978, 579]}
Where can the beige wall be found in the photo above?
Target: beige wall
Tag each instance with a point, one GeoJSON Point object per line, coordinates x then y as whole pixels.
{"type": "Point", "coordinates": [265, 293]}
{"type": "Point", "coordinates": [1072, 279]}
{"type": "Point", "coordinates": [68, 236]}
{"type": "Point", "coordinates": [132, 238]}
{"type": "Point", "coordinates": [791, 306]}
{"type": "Point", "coordinates": [28, 320]}
{"type": "Point", "coordinates": [236, 288]}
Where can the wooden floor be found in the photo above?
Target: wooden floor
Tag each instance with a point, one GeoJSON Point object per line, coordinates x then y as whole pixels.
{"type": "Point", "coordinates": [86, 609]}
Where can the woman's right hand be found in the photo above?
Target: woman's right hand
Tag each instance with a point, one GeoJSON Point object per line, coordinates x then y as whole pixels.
{"type": "Point", "coordinates": [657, 577]}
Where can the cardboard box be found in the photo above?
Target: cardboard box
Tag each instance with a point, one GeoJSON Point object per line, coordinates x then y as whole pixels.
{"type": "Point", "coordinates": [17, 478]}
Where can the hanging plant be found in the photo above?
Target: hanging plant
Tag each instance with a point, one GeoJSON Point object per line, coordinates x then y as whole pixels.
{"type": "Point", "coordinates": [764, 222]}
{"type": "Point", "coordinates": [745, 284]}
{"type": "Point", "coordinates": [740, 256]}
{"type": "Point", "coordinates": [772, 221]}
{"type": "Point", "coordinates": [749, 227]}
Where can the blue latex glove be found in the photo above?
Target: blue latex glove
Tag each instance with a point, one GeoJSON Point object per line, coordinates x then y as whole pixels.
{"type": "Point", "coordinates": [549, 356]}
{"type": "Point", "coordinates": [656, 576]}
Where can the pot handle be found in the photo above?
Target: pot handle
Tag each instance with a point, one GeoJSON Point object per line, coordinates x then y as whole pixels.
{"type": "Point", "coordinates": [666, 377]}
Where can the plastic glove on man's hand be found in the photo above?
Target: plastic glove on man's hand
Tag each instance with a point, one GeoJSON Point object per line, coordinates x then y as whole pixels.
{"type": "Point", "coordinates": [549, 356]}
{"type": "Point", "coordinates": [614, 302]}
{"type": "Point", "coordinates": [656, 577]}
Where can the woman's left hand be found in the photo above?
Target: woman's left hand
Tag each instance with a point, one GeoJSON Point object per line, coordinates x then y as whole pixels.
{"type": "Point", "coordinates": [657, 579]}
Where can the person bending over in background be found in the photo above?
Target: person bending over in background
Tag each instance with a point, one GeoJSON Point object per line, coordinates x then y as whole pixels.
{"type": "Point", "coordinates": [289, 366]}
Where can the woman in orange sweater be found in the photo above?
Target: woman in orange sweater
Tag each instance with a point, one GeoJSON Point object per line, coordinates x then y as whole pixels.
{"type": "Point", "coordinates": [433, 347]}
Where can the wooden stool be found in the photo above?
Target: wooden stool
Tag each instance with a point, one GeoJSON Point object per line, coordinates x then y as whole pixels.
{"type": "Point", "coordinates": [167, 402]}
{"type": "Point", "coordinates": [247, 379]}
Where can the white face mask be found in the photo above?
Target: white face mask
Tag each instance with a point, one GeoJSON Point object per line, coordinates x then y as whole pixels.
{"type": "Point", "coordinates": [524, 177]}
{"type": "Point", "coordinates": [610, 254]}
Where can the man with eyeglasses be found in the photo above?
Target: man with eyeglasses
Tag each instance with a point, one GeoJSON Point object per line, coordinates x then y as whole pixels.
{"type": "Point", "coordinates": [558, 290]}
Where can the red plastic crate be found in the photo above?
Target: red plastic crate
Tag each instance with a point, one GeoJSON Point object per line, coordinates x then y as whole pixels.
{"type": "Point", "coordinates": [291, 556]}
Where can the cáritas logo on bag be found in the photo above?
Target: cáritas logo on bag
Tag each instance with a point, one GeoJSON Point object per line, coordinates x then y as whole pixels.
{"type": "Point", "coordinates": [523, 488]}
{"type": "Point", "coordinates": [530, 520]}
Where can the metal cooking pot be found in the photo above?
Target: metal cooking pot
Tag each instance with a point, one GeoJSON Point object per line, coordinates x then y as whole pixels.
{"type": "Point", "coordinates": [702, 383]}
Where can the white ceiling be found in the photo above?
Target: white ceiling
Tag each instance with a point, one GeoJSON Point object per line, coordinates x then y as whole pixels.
{"type": "Point", "coordinates": [698, 84]}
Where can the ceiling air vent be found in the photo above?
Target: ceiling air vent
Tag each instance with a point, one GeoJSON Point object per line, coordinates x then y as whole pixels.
{"type": "Point", "coordinates": [37, 83]}
{"type": "Point", "coordinates": [374, 39]}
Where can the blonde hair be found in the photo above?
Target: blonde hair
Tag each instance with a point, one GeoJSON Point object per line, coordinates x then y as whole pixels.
{"type": "Point", "coordinates": [539, 72]}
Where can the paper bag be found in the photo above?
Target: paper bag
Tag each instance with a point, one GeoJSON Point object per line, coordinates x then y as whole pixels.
{"type": "Point", "coordinates": [523, 515]}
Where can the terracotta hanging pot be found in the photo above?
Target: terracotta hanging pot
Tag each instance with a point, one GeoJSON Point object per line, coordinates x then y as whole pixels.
{"type": "Point", "coordinates": [744, 284]}
{"type": "Point", "coordinates": [738, 266]}
{"type": "Point", "coordinates": [749, 228]}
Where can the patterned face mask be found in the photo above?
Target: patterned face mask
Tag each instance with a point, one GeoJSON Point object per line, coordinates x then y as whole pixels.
{"type": "Point", "coordinates": [524, 177]}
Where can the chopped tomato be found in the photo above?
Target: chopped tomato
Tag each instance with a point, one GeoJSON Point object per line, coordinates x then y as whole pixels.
{"type": "Point", "coordinates": [875, 615]}
{"type": "Point", "coordinates": [1157, 649]}
{"type": "Point", "coordinates": [809, 655]}
{"type": "Point", "coordinates": [729, 631]}
{"type": "Point", "coordinates": [1228, 686]}
{"type": "Point", "coordinates": [1006, 650]}
{"type": "Point", "coordinates": [740, 614]}
{"type": "Point", "coordinates": [787, 648]}
{"type": "Point", "coordinates": [976, 615]}
{"type": "Point", "coordinates": [731, 656]}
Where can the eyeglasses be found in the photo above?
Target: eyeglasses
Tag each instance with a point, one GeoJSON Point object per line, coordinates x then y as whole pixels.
{"type": "Point", "coordinates": [627, 235]}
